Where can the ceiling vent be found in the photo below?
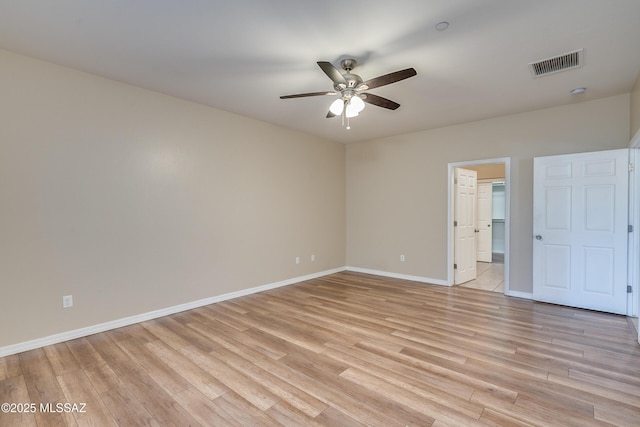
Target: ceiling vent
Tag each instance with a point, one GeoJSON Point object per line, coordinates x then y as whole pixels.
{"type": "Point", "coordinates": [566, 61]}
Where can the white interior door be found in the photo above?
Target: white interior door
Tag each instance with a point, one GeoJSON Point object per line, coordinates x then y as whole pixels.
{"type": "Point", "coordinates": [580, 230]}
{"type": "Point", "coordinates": [485, 208]}
{"type": "Point", "coordinates": [465, 202]}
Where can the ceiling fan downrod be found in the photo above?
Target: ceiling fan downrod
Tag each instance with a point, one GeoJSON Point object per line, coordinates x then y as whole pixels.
{"type": "Point", "coordinates": [348, 64]}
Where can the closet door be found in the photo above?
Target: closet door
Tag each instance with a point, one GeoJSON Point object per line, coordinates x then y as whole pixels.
{"type": "Point", "coordinates": [580, 204]}
{"type": "Point", "coordinates": [465, 205]}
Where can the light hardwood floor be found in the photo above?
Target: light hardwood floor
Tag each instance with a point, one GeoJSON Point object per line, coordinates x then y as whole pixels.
{"type": "Point", "coordinates": [343, 350]}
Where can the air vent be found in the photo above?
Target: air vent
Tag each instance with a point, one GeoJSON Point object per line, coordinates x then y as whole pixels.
{"type": "Point", "coordinates": [556, 64]}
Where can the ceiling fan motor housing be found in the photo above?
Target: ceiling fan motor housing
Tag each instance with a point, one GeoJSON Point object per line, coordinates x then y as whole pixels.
{"type": "Point", "coordinates": [352, 80]}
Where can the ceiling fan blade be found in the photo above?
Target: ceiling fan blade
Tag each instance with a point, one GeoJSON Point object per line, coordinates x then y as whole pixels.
{"type": "Point", "coordinates": [379, 101]}
{"type": "Point", "coordinates": [330, 70]}
{"type": "Point", "coordinates": [390, 78]}
{"type": "Point", "coordinates": [302, 95]}
{"type": "Point", "coordinates": [330, 114]}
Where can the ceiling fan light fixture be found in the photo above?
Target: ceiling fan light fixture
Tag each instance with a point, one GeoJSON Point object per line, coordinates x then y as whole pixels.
{"type": "Point", "coordinates": [357, 103]}
{"type": "Point", "coordinates": [354, 106]}
{"type": "Point", "coordinates": [337, 106]}
{"type": "Point", "coordinates": [351, 112]}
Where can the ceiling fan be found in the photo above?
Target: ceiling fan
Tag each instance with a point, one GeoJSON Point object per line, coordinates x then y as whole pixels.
{"type": "Point", "coordinates": [351, 89]}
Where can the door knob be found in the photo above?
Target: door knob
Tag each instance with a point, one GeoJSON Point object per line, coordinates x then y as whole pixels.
{"type": "Point", "coordinates": [538, 237]}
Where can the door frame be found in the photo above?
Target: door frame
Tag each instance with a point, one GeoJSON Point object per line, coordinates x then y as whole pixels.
{"type": "Point", "coordinates": [507, 222]}
{"type": "Point", "coordinates": [488, 230]}
{"type": "Point", "coordinates": [634, 220]}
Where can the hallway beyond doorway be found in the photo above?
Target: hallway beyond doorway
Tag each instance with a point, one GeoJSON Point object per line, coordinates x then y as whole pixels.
{"type": "Point", "coordinates": [490, 275]}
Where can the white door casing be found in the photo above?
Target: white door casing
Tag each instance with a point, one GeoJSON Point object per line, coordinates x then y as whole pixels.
{"type": "Point", "coordinates": [484, 220]}
{"type": "Point", "coordinates": [465, 202]}
{"type": "Point", "coordinates": [580, 230]}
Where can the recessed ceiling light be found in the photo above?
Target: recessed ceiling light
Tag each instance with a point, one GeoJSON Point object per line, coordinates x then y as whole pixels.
{"type": "Point", "coordinates": [442, 25]}
{"type": "Point", "coordinates": [578, 91]}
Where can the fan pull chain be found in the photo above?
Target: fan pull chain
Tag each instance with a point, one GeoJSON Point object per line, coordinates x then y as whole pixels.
{"type": "Point", "coordinates": [344, 115]}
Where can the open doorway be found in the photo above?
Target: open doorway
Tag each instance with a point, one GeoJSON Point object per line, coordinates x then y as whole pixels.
{"type": "Point", "coordinates": [491, 213]}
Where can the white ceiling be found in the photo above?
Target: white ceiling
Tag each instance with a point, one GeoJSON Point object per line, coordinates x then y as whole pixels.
{"type": "Point", "coordinates": [241, 55]}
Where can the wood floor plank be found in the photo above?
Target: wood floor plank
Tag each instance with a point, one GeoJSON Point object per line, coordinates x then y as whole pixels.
{"type": "Point", "coordinates": [576, 413]}
{"type": "Point", "coordinates": [13, 390]}
{"type": "Point", "coordinates": [296, 397]}
{"type": "Point", "coordinates": [204, 410]}
{"type": "Point", "coordinates": [596, 389]}
{"type": "Point", "coordinates": [80, 393]}
{"type": "Point", "coordinates": [617, 414]}
{"type": "Point", "coordinates": [492, 417]}
{"type": "Point", "coordinates": [126, 409]}
{"type": "Point", "coordinates": [197, 377]}
{"type": "Point", "coordinates": [43, 388]}
{"type": "Point", "coordinates": [227, 339]}
{"type": "Point", "coordinates": [420, 402]}
{"type": "Point", "coordinates": [10, 367]}
{"type": "Point", "coordinates": [102, 377]}
{"type": "Point", "coordinates": [150, 394]}
{"type": "Point", "coordinates": [188, 336]}
{"type": "Point", "coordinates": [84, 353]}
{"type": "Point", "coordinates": [488, 351]}
{"type": "Point", "coordinates": [457, 373]}
{"type": "Point", "coordinates": [238, 382]}
{"type": "Point", "coordinates": [544, 392]}
{"type": "Point", "coordinates": [434, 385]}
{"type": "Point", "coordinates": [337, 394]}
{"type": "Point", "coordinates": [623, 385]}
{"type": "Point", "coordinates": [163, 374]}
{"type": "Point", "coordinates": [348, 349]}
{"type": "Point", "coordinates": [242, 411]}
{"type": "Point", "coordinates": [333, 417]}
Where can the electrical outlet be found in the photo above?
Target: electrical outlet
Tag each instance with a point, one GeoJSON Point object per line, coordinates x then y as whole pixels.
{"type": "Point", "coordinates": [297, 260]}
{"type": "Point", "coordinates": [67, 301]}
{"type": "Point", "coordinates": [401, 258]}
{"type": "Point", "coordinates": [313, 258]}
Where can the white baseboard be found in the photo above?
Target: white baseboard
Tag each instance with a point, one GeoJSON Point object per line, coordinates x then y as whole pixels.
{"type": "Point", "coordinates": [90, 330]}
{"type": "Point", "coordinates": [518, 294]}
{"type": "Point", "coordinates": [399, 276]}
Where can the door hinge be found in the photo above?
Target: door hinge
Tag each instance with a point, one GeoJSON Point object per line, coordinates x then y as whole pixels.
{"type": "Point", "coordinates": [455, 266]}
{"type": "Point", "coordinates": [455, 180]}
{"type": "Point", "coordinates": [631, 167]}
{"type": "Point", "coordinates": [629, 289]}
{"type": "Point", "coordinates": [455, 223]}
{"type": "Point", "coordinates": [630, 228]}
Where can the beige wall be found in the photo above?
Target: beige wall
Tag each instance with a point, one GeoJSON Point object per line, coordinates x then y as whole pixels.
{"type": "Point", "coordinates": [635, 107]}
{"type": "Point", "coordinates": [134, 201]}
{"type": "Point", "coordinates": [397, 186]}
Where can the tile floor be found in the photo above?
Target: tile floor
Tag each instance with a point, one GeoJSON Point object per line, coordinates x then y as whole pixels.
{"type": "Point", "coordinates": [490, 277]}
